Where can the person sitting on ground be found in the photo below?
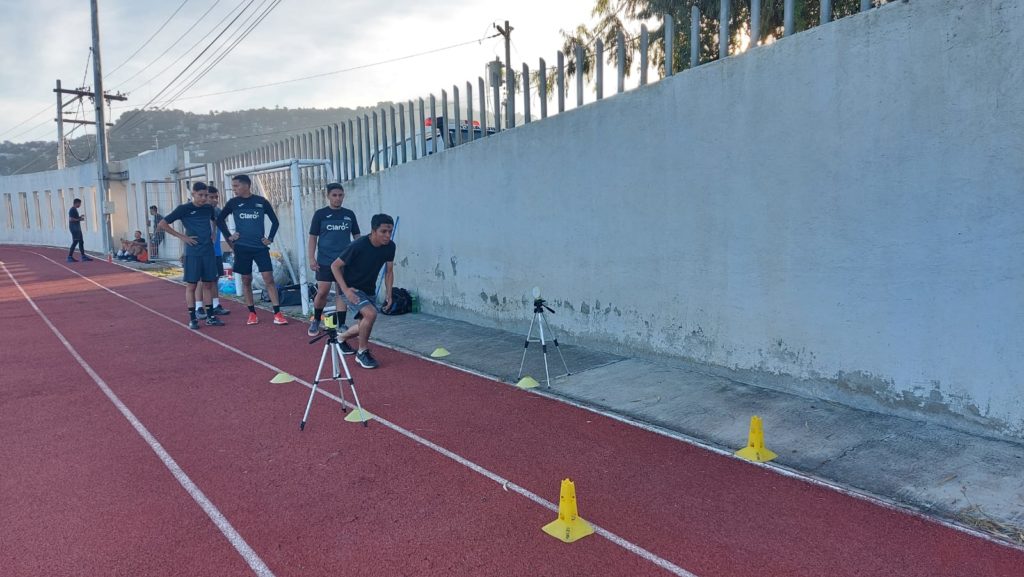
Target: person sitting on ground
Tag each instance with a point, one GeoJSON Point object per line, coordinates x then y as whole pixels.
{"type": "Point", "coordinates": [132, 249]}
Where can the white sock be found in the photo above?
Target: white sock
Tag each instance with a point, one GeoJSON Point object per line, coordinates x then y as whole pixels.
{"type": "Point", "coordinates": [216, 302]}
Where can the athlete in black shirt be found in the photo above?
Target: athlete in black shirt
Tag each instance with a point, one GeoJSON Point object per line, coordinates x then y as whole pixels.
{"type": "Point", "coordinates": [332, 229]}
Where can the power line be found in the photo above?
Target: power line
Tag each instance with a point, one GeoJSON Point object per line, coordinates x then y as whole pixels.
{"type": "Point", "coordinates": [27, 120]}
{"type": "Point", "coordinates": [184, 70]}
{"type": "Point", "coordinates": [334, 72]}
{"type": "Point", "coordinates": [169, 48]}
{"type": "Point", "coordinates": [146, 43]}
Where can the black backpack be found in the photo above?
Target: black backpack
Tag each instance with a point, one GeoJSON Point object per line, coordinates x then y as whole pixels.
{"type": "Point", "coordinates": [401, 302]}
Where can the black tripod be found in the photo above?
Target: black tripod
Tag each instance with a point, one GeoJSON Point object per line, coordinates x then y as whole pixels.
{"type": "Point", "coordinates": [538, 318]}
{"type": "Point", "coordinates": [337, 359]}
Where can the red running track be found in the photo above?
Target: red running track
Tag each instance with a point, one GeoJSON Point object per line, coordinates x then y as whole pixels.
{"type": "Point", "coordinates": [83, 493]}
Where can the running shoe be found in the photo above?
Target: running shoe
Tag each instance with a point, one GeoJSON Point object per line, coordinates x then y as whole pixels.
{"type": "Point", "coordinates": [347, 350]}
{"type": "Point", "coordinates": [214, 321]}
{"type": "Point", "coordinates": [314, 328]}
{"type": "Point", "coordinates": [72, 259]}
{"type": "Point", "coordinates": [252, 320]}
{"type": "Point", "coordinates": [85, 258]}
{"type": "Point", "coordinates": [279, 319]}
{"type": "Point", "coordinates": [366, 360]}
{"type": "Point", "coordinates": [193, 324]}
{"type": "Point", "coordinates": [220, 311]}
{"type": "Point", "coordinates": [200, 312]}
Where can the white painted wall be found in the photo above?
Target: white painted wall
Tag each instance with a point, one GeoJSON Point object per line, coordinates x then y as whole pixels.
{"type": "Point", "coordinates": [80, 182]}
{"type": "Point", "coordinates": [836, 214]}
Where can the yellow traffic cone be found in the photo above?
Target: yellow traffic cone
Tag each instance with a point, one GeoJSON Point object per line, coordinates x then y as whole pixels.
{"type": "Point", "coordinates": [358, 416]}
{"type": "Point", "coordinates": [440, 352]}
{"type": "Point", "coordinates": [568, 527]}
{"type": "Point", "coordinates": [282, 378]}
{"type": "Point", "coordinates": [527, 383]}
{"type": "Point", "coordinates": [755, 449]}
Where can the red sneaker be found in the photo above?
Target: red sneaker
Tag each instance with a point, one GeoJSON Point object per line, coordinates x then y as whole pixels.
{"type": "Point", "coordinates": [279, 319]}
{"type": "Point", "coordinates": [252, 320]}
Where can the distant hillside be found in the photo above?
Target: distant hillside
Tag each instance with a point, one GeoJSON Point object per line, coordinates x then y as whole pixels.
{"type": "Point", "coordinates": [210, 137]}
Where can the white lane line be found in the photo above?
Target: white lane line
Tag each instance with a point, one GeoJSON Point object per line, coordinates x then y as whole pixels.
{"type": "Point", "coordinates": [505, 483]}
{"type": "Point", "coordinates": [229, 532]}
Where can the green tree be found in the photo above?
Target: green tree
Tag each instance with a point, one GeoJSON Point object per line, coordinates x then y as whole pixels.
{"type": "Point", "coordinates": [615, 16]}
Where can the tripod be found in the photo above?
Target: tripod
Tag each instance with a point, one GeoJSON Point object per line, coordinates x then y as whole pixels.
{"type": "Point", "coordinates": [538, 318]}
{"type": "Point", "coordinates": [337, 358]}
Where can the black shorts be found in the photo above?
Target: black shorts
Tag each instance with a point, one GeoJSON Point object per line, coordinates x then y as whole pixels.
{"type": "Point", "coordinates": [325, 274]}
{"type": "Point", "coordinates": [220, 266]}
{"type": "Point", "coordinates": [200, 268]}
{"type": "Point", "coordinates": [244, 257]}
{"type": "Point", "coordinates": [76, 235]}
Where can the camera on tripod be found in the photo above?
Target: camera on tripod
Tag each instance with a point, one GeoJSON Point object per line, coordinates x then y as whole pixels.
{"type": "Point", "coordinates": [539, 305]}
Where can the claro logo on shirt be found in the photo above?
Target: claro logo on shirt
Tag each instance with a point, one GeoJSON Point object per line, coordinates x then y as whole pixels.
{"type": "Point", "coordinates": [248, 215]}
{"type": "Point", "coordinates": [334, 227]}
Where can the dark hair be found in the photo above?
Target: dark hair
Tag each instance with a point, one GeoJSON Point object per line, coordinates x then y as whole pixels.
{"type": "Point", "coordinates": [243, 178]}
{"type": "Point", "coordinates": [212, 190]}
{"type": "Point", "coordinates": [197, 186]}
{"type": "Point", "coordinates": [380, 219]}
{"type": "Point", "coordinates": [76, 201]}
{"type": "Point", "coordinates": [153, 207]}
{"type": "Point", "coordinates": [335, 186]}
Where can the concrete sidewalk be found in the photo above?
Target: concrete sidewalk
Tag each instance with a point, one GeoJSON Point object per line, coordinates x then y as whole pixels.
{"type": "Point", "coordinates": [963, 479]}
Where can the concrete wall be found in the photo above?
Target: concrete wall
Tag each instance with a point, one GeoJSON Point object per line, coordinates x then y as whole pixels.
{"type": "Point", "coordinates": [836, 214]}
{"type": "Point", "coordinates": [57, 188]}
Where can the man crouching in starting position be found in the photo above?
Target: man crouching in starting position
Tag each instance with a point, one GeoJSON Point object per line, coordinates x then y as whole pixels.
{"type": "Point", "coordinates": [355, 271]}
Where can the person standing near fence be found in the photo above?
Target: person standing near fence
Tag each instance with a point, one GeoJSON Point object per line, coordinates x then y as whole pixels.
{"type": "Point", "coordinates": [213, 199]}
{"type": "Point", "coordinates": [200, 264]}
{"type": "Point", "coordinates": [250, 242]}
{"type": "Point", "coordinates": [332, 229]}
{"type": "Point", "coordinates": [75, 227]}
{"type": "Point", "coordinates": [156, 238]}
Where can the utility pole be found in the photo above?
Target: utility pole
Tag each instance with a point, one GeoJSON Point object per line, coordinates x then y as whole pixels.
{"type": "Point", "coordinates": [61, 161]}
{"type": "Point", "coordinates": [510, 81]}
{"type": "Point", "coordinates": [78, 95]}
{"type": "Point", "coordinates": [102, 170]}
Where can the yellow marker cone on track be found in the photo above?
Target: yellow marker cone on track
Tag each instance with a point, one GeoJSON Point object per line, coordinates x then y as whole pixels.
{"type": "Point", "coordinates": [358, 416]}
{"type": "Point", "coordinates": [527, 383]}
{"type": "Point", "coordinates": [755, 449]}
{"type": "Point", "coordinates": [440, 352]}
{"type": "Point", "coordinates": [568, 527]}
{"type": "Point", "coordinates": [282, 378]}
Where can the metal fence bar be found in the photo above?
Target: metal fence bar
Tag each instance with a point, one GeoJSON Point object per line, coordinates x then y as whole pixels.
{"type": "Point", "coordinates": [394, 139]}
{"type": "Point", "coordinates": [433, 124]}
{"type": "Point", "coordinates": [401, 120]}
{"type": "Point", "coordinates": [826, 11]}
{"type": "Point", "coordinates": [788, 17]}
{"type": "Point", "coordinates": [620, 56]}
{"type": "Point", "coordinates": [423, 130]}
{"type": "Point", "coordinates": [483, 105]}
{"type": "Point", "coordinates": [723, 30]}
{"type": "Point", "coordinates": [645, 39]}
{"type": "Point", "coordinates": [526, 93]}
{"type": "Point", "coordinates": [579, 75]}
{"type": "Point", "coordinates": [542, 88]}
{"type": "Point", "coordinates": [694, 37]}
{"type": "Point", "coordinates": [670, 44]}
{"type": "Point", "coordinates": [383, 152]}
{"type": "Point", "coordinates": [469, 111]}
{"type": "Point", "coordinates": [496, 90]}
{"type": "Point", "coordinates": [366, 139]}
{"type": "Point", "coordinates": [599, 68]}
{"type": "Point", "coordinates": [866, 5]}
{"type": "Point", "coordinates": [456, 103]}
{"type": "Point", "coordinates": [375, 151]}
{"type": "Point", "coordinates": [755, 22]}
{"type": "Point", "coordinates": [560, 79]}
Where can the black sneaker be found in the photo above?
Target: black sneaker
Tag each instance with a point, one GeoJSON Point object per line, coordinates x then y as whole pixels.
{"type": "Point", "coordinates": [366, 360]}
{"type": "Point", "coordinates": [200, 313]}
{"type": "Point", "coordinates": [220, 311]}
{"type": "Point", "coordinates": [193, 324]}
{"type": "Point", "coordinates": [214, 321]}
{"type": "Point", "coordinates": [347, 350]}
{"type": "Point", "coordinates": [86, 258]}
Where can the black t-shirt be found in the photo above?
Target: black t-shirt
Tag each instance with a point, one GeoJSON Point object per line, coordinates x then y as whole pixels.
{"type": "Point", "coordinates": [248, 214]}
{"type": "Point", "coordinates": [197, 221]}
{"type": "Point", "coordinates": [74, 225]}
{"type": "Point", "coordinates": [363, 262]}
{"type": "Point", "coordinates": [334, 230]}
{"type": "Point", "coordinates": [139, 240]}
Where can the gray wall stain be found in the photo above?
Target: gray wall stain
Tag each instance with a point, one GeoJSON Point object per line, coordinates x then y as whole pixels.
{"type": "Point", "coordinates": [455, 262]}
{"type": "Point", "coordinates": [438, 272]}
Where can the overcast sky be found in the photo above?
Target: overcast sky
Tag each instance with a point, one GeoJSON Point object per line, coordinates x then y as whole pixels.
{"type": "Point", "coordinates": [43, 40]}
